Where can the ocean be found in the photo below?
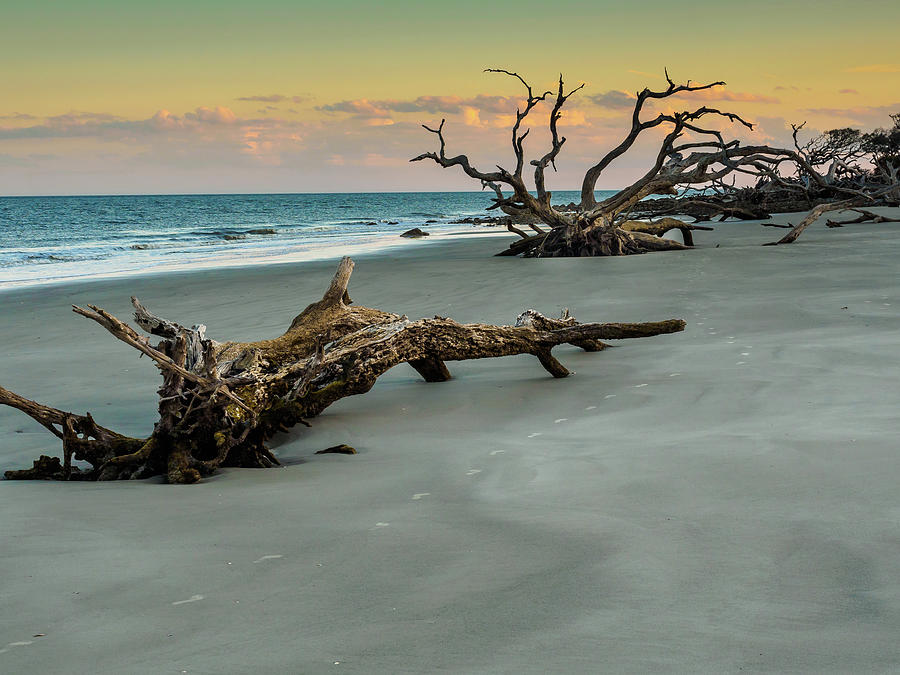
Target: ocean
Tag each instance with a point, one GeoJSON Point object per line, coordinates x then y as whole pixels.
{"type": "Point", "coordinates": [57, 239]}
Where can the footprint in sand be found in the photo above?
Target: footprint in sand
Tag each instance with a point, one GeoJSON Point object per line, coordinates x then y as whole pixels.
{"type": "Point", "coordinates": [536, 433]}
{"type": "Point", "coordinates": [561, 420]}
{"type": "Point", "coordinates": [193, 598]}
{"type": "Point", "coordinates": [674, 374]}
{"type": "Point", "coordinates": [591, 407]}
{"type": "Point", "coordinates": [610, 396]}
{"type": "Point", "coordinates": [740, 363]}
{"type": "Point", "coordinates": [268, 557]}
{"type": "Point", "coordinates": [472, 472]}
{"type": "Point", "coordinates": [419, 495]}
{"type": "Point", "coordinates": [382, 524]}
{"type": "Point", "coordinates": [745, 353]}
{"type": "Point", "coordinates": [638, 386]}
{"type": "Point", "coordinates": [497, 452]}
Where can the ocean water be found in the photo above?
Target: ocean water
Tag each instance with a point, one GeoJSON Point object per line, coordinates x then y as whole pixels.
{"type": "Point", "coordinates": [56, 239]}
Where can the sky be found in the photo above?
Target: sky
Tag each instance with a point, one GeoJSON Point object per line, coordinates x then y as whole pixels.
{"type": "Point", "coordinates": [193, 96]}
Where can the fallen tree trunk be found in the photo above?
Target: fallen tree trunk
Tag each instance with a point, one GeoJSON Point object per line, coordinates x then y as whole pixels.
{"type": "Point", "coordinates": [864, 216]}
{"type": "Point", "coordinates": [851, 204]}
{"type": "Point", "coordinates": [220, 403]}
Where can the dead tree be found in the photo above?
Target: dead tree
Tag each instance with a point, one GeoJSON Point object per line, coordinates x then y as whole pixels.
{"type": "Point", "coordinates": [864, 197]}
{"type": "Point", "coordinates": [220, 402]}
{"type": "Point", "coordinates": [599, 228]}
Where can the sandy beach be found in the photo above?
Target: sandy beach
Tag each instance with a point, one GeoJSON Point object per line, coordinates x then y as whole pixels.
{"type": "Point", "coordinates": [720, 500]}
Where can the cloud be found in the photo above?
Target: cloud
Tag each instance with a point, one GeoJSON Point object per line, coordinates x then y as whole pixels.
{"type": "Point", "coordinates": [622, 100]}
{"type": "Point", "coordinates": [217, 115]}
{"type": "Point", "coordinates": [875, 68]}
{"type": "Point", "coordinates": [847, 91]}
{"type": "Point", "coordinates": [472, 117]}
{"type": "Point", "coordinates": [865, 116]}
{"type": "Point", "coordinates": [18, 116]}
{"type": "Point", "coordinates": [78, 117]}
{"type": "Point", "coordinates": [721, 94]}
{"type": "Point", "coordinates": [271, 98]}
{"type": "Point", "coordinates": [429, 104]}
{"type": "Point", "coordinates": [112, 127]}
{"type": "Point", "coordinates": [274, 98]}
{"type": "Point", "coordinates": [614, 99]}
{"type": "Point", "coordinates": [358, 106]}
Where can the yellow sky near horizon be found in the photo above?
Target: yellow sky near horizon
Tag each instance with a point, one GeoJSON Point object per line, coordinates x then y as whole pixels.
{"type": "Point", "coordinates": [109, 96]}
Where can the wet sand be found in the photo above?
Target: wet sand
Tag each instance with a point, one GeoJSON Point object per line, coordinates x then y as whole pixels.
{"type": "Point", "coordinates": [719, 500]}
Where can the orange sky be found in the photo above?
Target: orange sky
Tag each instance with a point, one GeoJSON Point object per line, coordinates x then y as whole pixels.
{"type": "Point", "coordinates": [100, 97]}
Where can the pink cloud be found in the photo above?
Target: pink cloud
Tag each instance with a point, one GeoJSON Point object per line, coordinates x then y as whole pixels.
{"type": "Point", "coordinates": [217, 115]}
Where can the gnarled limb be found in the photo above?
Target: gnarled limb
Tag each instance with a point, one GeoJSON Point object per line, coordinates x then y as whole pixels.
{"type": "Point", "coordinates": [236, 396]}
{"type": "Point", "coordinates": [693, 158]}
{"type": "Point", "coordinates": [864, 216]}
{"type": "Point", "coordinates": [821, 209]}
{"type": "Point", "coordinates": [596, 229]}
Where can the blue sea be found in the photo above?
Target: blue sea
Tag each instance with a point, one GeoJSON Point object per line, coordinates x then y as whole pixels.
{"type": "Point", "coordinates": [56, 239]}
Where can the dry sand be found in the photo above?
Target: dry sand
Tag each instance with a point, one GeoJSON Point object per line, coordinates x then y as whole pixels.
{"type": "Point", "coordinates": [719, 500]}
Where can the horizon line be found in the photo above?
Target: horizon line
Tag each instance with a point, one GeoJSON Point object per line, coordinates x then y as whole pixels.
{"type": "Point", "coordinates": [233, 194]}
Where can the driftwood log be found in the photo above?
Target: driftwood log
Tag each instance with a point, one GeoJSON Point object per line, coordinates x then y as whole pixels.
{"type": "Point", "coordinates": [693, 159]}
{"type": "Point", "coordinates": [220, 402]}
{"type": "Point", "coordinates": [851, 204]}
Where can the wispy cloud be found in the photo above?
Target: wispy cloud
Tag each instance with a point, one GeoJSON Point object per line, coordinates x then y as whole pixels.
{"type": "Point", "coordinates": [429, 104]}
{"type": "Point", "coordinates": [274, 98]}
{"type": "Point", "coordinates": [108, 126]}
{"type": "Point", "coordinates": [866, 116]}
{"type": "Point", "coordinates": [847, 91]}
{"type": "Point", "coordinates": [18, 116]}
{"type": "Point", "coordinates": [875, 68]}
{"type": "Point", "coordinates": [622, 100]}
{"type": "Point", "coordinates": [722, 94]}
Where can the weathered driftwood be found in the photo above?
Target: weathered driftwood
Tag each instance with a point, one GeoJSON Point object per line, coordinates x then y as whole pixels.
{"type": "Point", "coordinates": [851, 204]}
{"type": "Point", "coordinates": [822, 170]}
{"type": "Point", "coordinates": [865, 216]}
{"type": "Point", "coordinates": [596, 228]}
{"type": "Point", "coordinates": [220, 402]}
